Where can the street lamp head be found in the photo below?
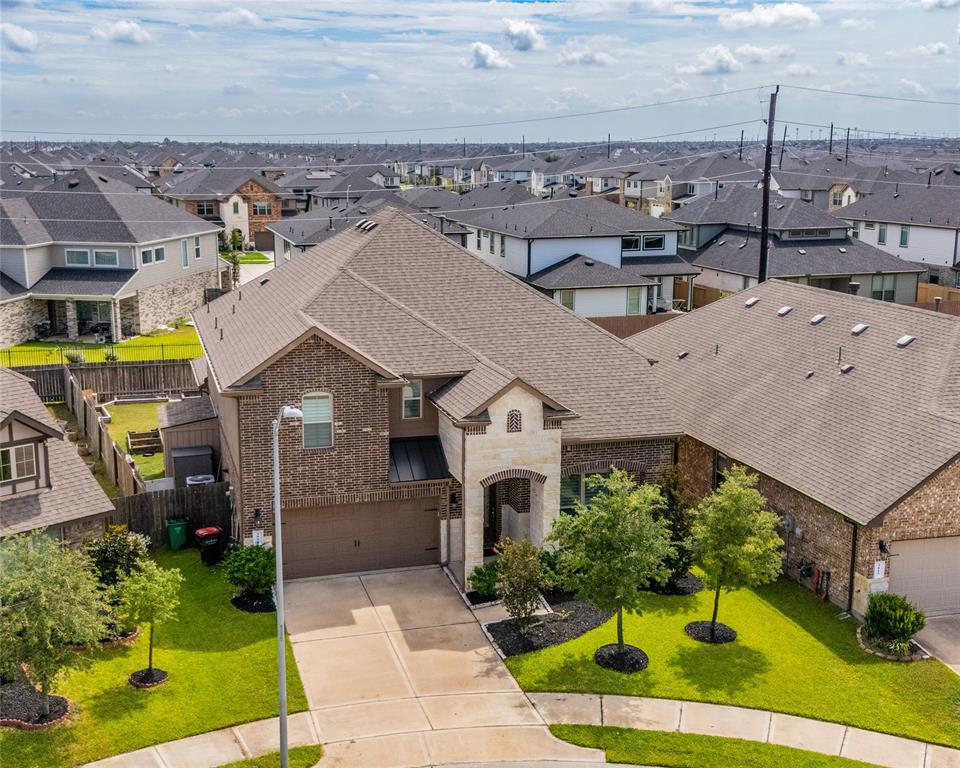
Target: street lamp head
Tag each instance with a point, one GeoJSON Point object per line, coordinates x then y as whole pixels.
{"type": "Point", "coordinates": [289, 412]}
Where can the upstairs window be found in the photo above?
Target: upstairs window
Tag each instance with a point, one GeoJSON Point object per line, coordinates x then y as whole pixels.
{"type": "Point", "coordinates": [479, 235]}
{"type": "Point", "coordinates": [634, 300]}
{"type": "Point", "coordinates": [566, 297]}
{"type": "Point", "coordinates": [882, 234]}
{"type": "Point", "coordinates": [413, 399]}
{"type": "Point", "coordinates": [630, 243]}
{"type": "Point", "coordinates": [490, 246]}
{"type": "Point", "coordinates": [146, 256]}
{"type": "Point", "coordinates": [105, 258]}
{"type": "Point", "coordinates": [856, 229]}
{"type": "Point", "coordinates": [653, 242]}
{"type": "Point", "coordinates": [503, 246]}
{"type": "Point", "coordinates": [869, 224]}
{"type": "Point", "coordinates": [236, 207]}
{"type": "Point", "coordinates": [904, 235]}
{"type": "Point", "coordinates": [204, 207]}
{"type": "Point", "coordinates": [806, 194]}
{"type": "Point", "coordinates": [514, 420]}
{"type": "Point", "coordinates": [721, 463]}
{"type": "Point", "coordinates": [78, 258]}
{"type": "Point", "coordinates": [196, 247]}
{"type": "Point", "coordinates": [184, 253]}
{"type": "Point", "coordinates": [837, 199]}
{"type": "Point", "coordinates": [18, 462]}
{"type": "Point", "coordinates": [317, 420]}
{"type": "Point", "coordinates": [159, 254]}
{"type": "Point", "coordinates": [262, 209]}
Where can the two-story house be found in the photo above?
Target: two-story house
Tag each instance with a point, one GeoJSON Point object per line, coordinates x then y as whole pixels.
{"type": "Point", "coordinates": [437, 413]}
{"type": "Point", "coordinates": [44, 484]}
{"type": "Point", "coordinates": [665, 185]}
{"type": "Point", "coordinates": [92, 255]}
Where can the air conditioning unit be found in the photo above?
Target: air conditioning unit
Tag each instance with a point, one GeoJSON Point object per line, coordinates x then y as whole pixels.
{"type": "Point", "coordinates": [789, 523]}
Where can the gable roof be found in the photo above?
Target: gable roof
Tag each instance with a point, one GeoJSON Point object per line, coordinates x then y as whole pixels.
{"type": "Point", "coordinates": [218, 182]}
{"type": "Point", "coordinates": [935, 206]}
{"type": "Point", "coordinates": [410, 302]}
{"type": "Point", "coordinates": [856, 441]}
{"type": "Point", "coordinates": [741, 206]}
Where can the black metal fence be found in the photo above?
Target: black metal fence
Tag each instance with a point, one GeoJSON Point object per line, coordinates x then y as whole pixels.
{"type": "Point", "coordinates": [37, 354]}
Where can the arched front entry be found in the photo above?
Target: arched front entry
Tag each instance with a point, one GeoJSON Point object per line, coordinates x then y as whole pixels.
{"type": "Point", "coordinates": [509, 497]}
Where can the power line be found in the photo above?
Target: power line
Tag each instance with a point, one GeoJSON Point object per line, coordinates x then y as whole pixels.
{"type": "Point", "coordinates": [872, 96]}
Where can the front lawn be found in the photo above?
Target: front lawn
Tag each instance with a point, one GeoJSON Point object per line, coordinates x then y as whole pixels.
{"type": "Point", "coordinates": [300, 757]}
{"type": "Point", "coordinates": [178, 343]}
{"type": "Point", "coordinates": [137, 417]}
{"type": "Point", "coordinates": [253, 257]}
{"type": "Point", "coordinates": [222, 665]}
{"type": "Point", "coordinates": [792, 655]}
{"type": "Point", "coordinates": [687, 750]}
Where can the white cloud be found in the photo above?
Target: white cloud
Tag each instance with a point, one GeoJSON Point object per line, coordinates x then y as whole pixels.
{"type": "Point", "coordinates": [373, 77]}
{"type": "Point", "coordinates": [651, 6]}
{"type": "Point", "coordinates": [169, 68]}
{"type": "Point", "coordinates": [587, 58]}
{"type": "Point", "coordinates": [523, 36]}
{"type": "Point", "coordinates": [912, 88]}
{"type": "Point", "coordinates": [800, 70]}
{"type": "Point", "coordinates": [852, 59]}
{"type": "Point", "coordinates": [931, 4]}
{"type": "Point", "coordinates": [18, 39]}
{"type": "Point", "coordinates": [239, 17]}
{"type": "Point", "coordinates": [758, 55]}
{"type": "Point", "coordinates": [933, 49]}
{"type": "Point", "coordinates": [775, 15]}
{"type": "Point", "coordinates": [857, 23]}
{"type": "Point", "coordinates": [236, 89]}
{"type": "Point", "coordinates": [716, 60]}
{"type": "Point", "coordinates": [483, 56]}
{"type": "Point", "coordinates": [123, 31]}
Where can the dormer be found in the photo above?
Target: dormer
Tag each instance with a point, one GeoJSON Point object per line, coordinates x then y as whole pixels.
{"type": "Point", "coordinates": [23, 455]}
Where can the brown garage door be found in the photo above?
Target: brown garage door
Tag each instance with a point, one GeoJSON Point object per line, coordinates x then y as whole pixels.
{"type": "Point", "coordinates": [360, 537]}
{"type": "Point", "coordinates": [263, 240]}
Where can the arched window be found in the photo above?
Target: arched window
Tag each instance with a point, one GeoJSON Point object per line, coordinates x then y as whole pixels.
{"type": "Point", "coordinates": [514, 421]}
{"type": "Point", "coordinates": [317, 420]}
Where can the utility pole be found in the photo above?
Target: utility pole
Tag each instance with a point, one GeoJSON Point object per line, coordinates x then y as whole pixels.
{"type": "Point", "coordinates": [846, 152]}
{"type": "Point", "coordinates": [765, 217]}
{"type": "Point", "coordinates": [608, 146]}
{"type": "Point", "coordinates": [464, 146]}
{"type": "Point", "coordinates": [523, 146]}
{"type": "Point", "coordinates": [783, 143]}
{"type": "Point", "coordinates": [830, 151]}
{"type": "Point", "coordinates": [740, 153]}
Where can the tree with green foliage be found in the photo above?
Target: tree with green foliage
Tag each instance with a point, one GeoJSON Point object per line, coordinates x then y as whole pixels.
{"type": "Point", "coordinates": [520, 574]}
{"type": "Point", "coordinates": [252, 570]}
{"type": "Point", "coordinates": [236, 239]}
{"type": "Point", "coordinates": [151, 595]}
{"type": "Point", "coordinates": [734, 538]}
{"type": "Point", "coordinates": [678, 511]}
{"type": "Point", "coordinates": [49, 603]}
{"type": "Point", "coordinates": [614, 546]}
{"type": "Point", "coordinates": [233, 259]}
{"type": "Point", "coordinates": [117, 554]}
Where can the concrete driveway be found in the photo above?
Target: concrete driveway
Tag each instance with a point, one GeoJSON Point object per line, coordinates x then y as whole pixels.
{"type": "Point", "coordinates": [398, 674]}
{"type": "Point", "coordinates": [941, 637]}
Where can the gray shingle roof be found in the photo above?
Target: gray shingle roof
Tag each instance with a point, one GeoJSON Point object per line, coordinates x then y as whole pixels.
{"type": "Point", "coordinates": [583, 272]}
{"type": "Point", "coordinates": [81, 281]}
{"type": "Point", "coordinates": [935, 206]}
{"type": "Point", "coordinates": [856, 442]}
{"type": "Point", "coordinates": [187, 411]}
{"type": "Point", "coordinates": [741, 205]}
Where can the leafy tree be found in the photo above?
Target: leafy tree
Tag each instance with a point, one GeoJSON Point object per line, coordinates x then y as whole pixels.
{"type": "Point", "coordinates": [678, 511]}
{"type": "Point", "coordinates": [49, 602]}
{"type": "Point", "coordinates": [614, 546]}
{"type": "Point", "coordinates": [233, 259]}
{"type": "Point", "coordinates": [252, 570]}
{"type": "Point", "coordinates": [150, 596]}
{"type": "Point", "coordinates": [520, 575]}
{"type": "Point", "coordinates": [735, 539]}
{"type": "Point", "coordinates": [236, 239]}
{"type": "Point", "coordinates": [117, 554]}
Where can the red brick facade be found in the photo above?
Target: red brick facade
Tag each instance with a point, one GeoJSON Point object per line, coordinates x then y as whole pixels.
{"type": "Point", "coordinates": [251, 192]}
{"type": "Point", "coordinates": [645, 458]}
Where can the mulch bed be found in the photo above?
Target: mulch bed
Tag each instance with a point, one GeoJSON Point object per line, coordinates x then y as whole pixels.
{"type": "Point", "coordinates": [685, 585]}
{"type": "Point", "coordinates": [254, 603]}
{"type": "Point", "coordinates": [20, 707]}
{"type": "Point", "coordinates": [475, 598]}
{"type": "Point", "coordinates": [700, 631]}
{"type": "Point", "coordinates": [147, 678]}
{"type": "Point", "coordinates": [569, 620]}
{"type": "Point", "coordinates": [631, 660]}
{"type": "Point", "coordinates": [557, 597]}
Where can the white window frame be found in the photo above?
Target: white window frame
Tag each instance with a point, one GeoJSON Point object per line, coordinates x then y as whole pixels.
{"type": "Point", "coordinates": [196, 247]}
{"type": "Point", "coordinates": [410, 398]}
{"type": "Point", "coordinates": [15, 460]}
{"type": "Point", "coordinates": [306, 423]}
{"type": "Point", "coordinates": [257, 208]}
{"type": "Point", "coordinates": [84, 251]}
{"type": "Point", "coordinates": [236, 207]}
{"type": "Point", "coordinates": [904, 236]}
{"type": "Point", "coordinates": [184, 253]}
{"type": "Point", "coordinates": [663, 244]}
{"type": "Point", "coordinates": [624, 239]}
{"type": "Point", "coordinates": [479, 236]}
{"type": "Point", "coordinates": [116, 258]}
{"type": "Point", "coordinates": [882, 234]}
{"type": "Point", "coordinates": [146, 256]}
{"type": "Point", "coordinates": [503, 246]}
{"type": "Point", "coordinates": [206, 203]}
{"type": "Point", "coordinates": [869, 224]}
{"type": "Point", "coordinates": [573, 298]}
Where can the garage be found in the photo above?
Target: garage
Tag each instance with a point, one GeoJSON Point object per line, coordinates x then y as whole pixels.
{"type": "Point", "coordinates": [360, 537]}
{"type": "Point", "coordinates": [927, 573]}
{"type": "Point", "coordinates": [263, 241]}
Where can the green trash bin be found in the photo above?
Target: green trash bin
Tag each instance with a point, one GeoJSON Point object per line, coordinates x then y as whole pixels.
{"type": "Point", "coordinates": [177, 533]}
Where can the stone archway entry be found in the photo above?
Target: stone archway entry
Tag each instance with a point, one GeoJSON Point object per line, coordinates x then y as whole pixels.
{"type": "Point", "coordinates": [509, 497]}
{"type": "Point", "coordinates": [507, 474]}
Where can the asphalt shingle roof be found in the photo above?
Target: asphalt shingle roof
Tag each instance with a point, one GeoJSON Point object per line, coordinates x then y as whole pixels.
{"type": "Point", "coordinates": [740, 205]}
{"type": "Point", "coordinates": [935, 206]}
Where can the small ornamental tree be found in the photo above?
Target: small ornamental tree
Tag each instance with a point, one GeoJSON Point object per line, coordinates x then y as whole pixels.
{"type": "Point", "coordinates": [236, 239]}
{"type": "Point", "coordinates": [150, 596]}
{"type": "Point", "coordinates": [613, 547]}
{"type": "Point", "coordinates": [117, 554]}
{"type": "Point", "coordinates": [49, 603]}
{"type": "Point", "coordinates": [520, 574]}
{"type": "Point", "coordinates": [233, 259]}
{"type": "Point", "coordinates": [678, 511]}
{"type": "Point", "coordinates": [734, 538]}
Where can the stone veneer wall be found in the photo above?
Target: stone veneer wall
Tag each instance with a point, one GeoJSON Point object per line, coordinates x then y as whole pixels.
{"type": "Point", "coordinates": [173, 299]}
{"type": "Point", "coordinates": [18, 320]}
{"type": "Point", "coordinates": [130, 316]}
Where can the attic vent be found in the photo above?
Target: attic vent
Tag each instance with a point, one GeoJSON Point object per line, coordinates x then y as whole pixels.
{"type": "Point", "coordinates": [682, 355]}
{"type": "Point", "coordinates": [73, 183]}
{"type": "Point", "coordinates": [842, 250]}
{"type": "Point", "coordinates": [265, 281]}
{"type": "Point", "coordinates": [801, 251]}
{"type": "Point", "coordinates": [859, 328]}
{"type": "Point", "coordinates": [359, 224]}
{"type": "Point", "coordinates": [808, 375]}
{"type": "Point", "coordinates": [104, 179]}
{"type": "Point", "coordinates": [905, 341]}
{"type": "Point", "coordinates": [784, 311]}
{"type": "Point", "coordinates": [721, 242]}
{"type": "Point", "coordinates": [751, 302]}
{"type": "Point", "coordinates": [779, 206]}
{"type": "Point", "coordinates": [846, 368]}
{"type": "Point", "coordinates": [817, 319]}
{"type": "Point", "coordinates": [589, 262]}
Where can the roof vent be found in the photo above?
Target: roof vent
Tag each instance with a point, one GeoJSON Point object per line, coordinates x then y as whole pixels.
{"type": "Point", "coordinates": [73, 183]}
{"type": "Point", "coordinates": [589, 262]}
{"type": "Point", "coordinates": [784, 311]}
{"type": "Point", "coordinates": [817, 319]}
{"type": "Point", "coordinates": [801, 251]}
{"type": "Point", "coordinates": [808, 375]}
{"type": "Point", "coordinates": [751, 301]}
{"type": "Point", "coordinates": [859, 328]}
{"type": "Point", "coordinates": [265, 281]}
{"type": "Point", "coordinates": [842, 250]}
{"type": "Point", "coordinates": [906, 341]}
{"type": "Point", "coordinates": [682, 355]}
{"type": "Point", "coordinates": [359, 224]}
{"type": "Point", "coordinates": [721, 242]}
{"type": "Point", "coordinates": [846, 368]}
{"type": "Point", "coordinates": [368, 226]}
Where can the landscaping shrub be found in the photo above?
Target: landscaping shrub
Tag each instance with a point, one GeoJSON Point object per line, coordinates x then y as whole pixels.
{"type": "Point", "coordinates": [117, 554]}
{"type": "Point", "coordinates": [110, 356]}
{"type": "Point", "coordinates": [550, 570]}
{"type": "Point", "coordinates": [892, 622]}
{"type": "Point", "coordinates": [519, 577]}
{"type": "Point", "coordinates": [679, 514]}
{"type": "Point", "coordinates": [74, 356]}
{"type": "Point", "coordinates": [250, 569]}
{"type": "Point", "coordinates": [483, 580]}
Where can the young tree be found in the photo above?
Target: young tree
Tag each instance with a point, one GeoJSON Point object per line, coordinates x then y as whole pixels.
{"type": "Point", "coordinates": [233, 259]}
{"type": "Point", "coordinates": [613, 547]}
{"type": "Point", "coordinates": [678, 511]}
{"type": "Point", "coordinates": [735, 539]}
{"type": "Point", "coordinates": [150, 596]}
{"type": "Point", "coordinates": [49, 602]}
{"type": "Point", "coordinates": [520, 575]}
{"type": "Point", "coordinates": [236, 239]}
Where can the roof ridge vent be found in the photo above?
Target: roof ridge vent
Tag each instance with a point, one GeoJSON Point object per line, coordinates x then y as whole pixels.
{"type": "Point", "coordinates": [817, 318]}
{"type": "Point", "coordinates": [784, 310]}
{"type": "Point", "coordinates": [801, 251]}
{"type": "Point", "coordinates": [846, 368]}
{"type": "Point", "coordinates": [752, 301]}
{"type": "Point", "coordinates": [858, 329]}
{"type": "Point", "coordinates": [359, 224]}
{"type": "Point", "coordinates": [589, 262]}
{"type": "Point", "coordinates": [682, 355]}
{"type": "Point", "coordinates": [906, 341]}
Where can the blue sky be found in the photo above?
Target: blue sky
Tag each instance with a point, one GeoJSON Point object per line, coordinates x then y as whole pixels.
{"type": "Point", "coordinates": [173, 67]}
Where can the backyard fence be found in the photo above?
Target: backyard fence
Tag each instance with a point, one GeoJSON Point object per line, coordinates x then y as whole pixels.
{"type": "Point", "coordinates": [200, 505]}
{"type": "Point", "coordinates": [64, 354]}
{"type": "Point", "coordinates": [631, 324]}
{"type": "Point", "coordinates": [702, 294]}
{"type": "Point", "coordinates": [113, 380]}
{"type": "Point", "coordinates": [926, 293]}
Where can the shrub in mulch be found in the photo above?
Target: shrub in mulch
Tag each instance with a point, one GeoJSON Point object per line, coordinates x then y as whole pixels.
{"type": "Point", "coordinates": [254, 602]}
{"type": "Point", "coordinates": [147, 678]}
{"type": "Point", "coordinates": [475, 598]}
{"type": "Point", "coordinates": [569, 620]}
{"type": "Point", "coordinates": [628, 661]}
{"type": "Point", "coordinates": [688, 584]}
{"type": "Point", "coordinates": [20, 707]}
{"type": "Point", "coordinates": [700, 631]}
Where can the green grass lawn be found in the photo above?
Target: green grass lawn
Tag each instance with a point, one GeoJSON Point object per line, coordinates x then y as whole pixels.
{"type": "Point", "coordinates": [60, 412]}
{"type": "Point", "coordinates": [180, 343]}
{"type": "Point", "coordinates": [300, 757]}
{"type": "Point", "coordinates": [254, 257]}
{"type": "Point", "coordinates": [686, 750]}
{"type": "Point", "coordinates": [137, 417]}
{"type": "Point", "coordinates": [222, 665]}
{"type": "Point", "coordinates": [792, 655]}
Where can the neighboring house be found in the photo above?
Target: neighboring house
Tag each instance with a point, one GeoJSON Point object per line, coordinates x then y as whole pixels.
{"type": "Point", "coordinates": [44, 484]}
{"type": "Point", "coordinates": [90, 254]}
{"type": "Point", "coordinates": [665, 185]}
{"type": "Point", "coordinates": [346, 188]}
{"type": "Point", "coordinates": [829, 183]}
{"type": "Point", "coordinates": [234, 198]}
{"type": "Point", "coordinates": [445, 403]}
{"type": "Point", "coordinates": [805, 245]}
{"type": "Point", "coordinates": [593, 256]}
{"type": "Point", "coordinates": [849, 411]}
{"type": "Point", "coordinates": [918, 224]}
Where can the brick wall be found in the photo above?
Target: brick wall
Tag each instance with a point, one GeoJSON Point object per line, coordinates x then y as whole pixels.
{"type": "Point", "coordinates": [190, 206]}
{"type": "Point", "coordinates": [515, 492]}
{"type": "Point", "coordinates": [251, 192]}
{"type": "Point", "coordinates": [651, 457]}
{"type": "Point", "coordinates": [18, 320]}
{"type": "Point", "coordinates": [130, 316]}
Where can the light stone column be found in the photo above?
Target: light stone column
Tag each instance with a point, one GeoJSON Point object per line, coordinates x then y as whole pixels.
{"type": "Point", "coordinates": [73, 329]}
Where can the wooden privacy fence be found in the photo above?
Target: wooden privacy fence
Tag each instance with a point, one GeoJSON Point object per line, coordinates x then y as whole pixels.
{"type": "Point", "coordinates": [49, 381]}
{"type": "Point", "coordinates": [113, 380]}
{"type": "Point", "coordinates": [631, 324]}
{"type": "Point", "coordinates": [702, 294]}
{"type": "Point", "coordinates": [199, 505]}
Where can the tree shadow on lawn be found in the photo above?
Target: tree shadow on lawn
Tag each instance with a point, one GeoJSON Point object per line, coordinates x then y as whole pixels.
{"type": "Point", "coordinates": [727, 669]}
{"type": "Point", "coordinates": [667, 605]}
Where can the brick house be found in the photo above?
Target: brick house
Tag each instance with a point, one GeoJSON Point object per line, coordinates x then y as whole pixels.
{"type": "Point", "coordinates": [438, 414]}
{"type": "Point", "coordinates": [848, 409]}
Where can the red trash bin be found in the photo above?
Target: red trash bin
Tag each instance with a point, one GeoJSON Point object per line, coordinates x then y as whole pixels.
{"type": "Point", "coordinates": [211, 542]}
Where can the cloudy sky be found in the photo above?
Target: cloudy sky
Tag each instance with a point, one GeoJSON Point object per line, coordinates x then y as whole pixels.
{"type": "Point", "coordinates": [189, 67]}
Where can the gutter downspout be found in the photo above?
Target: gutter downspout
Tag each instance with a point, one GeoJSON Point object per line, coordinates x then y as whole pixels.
{"type": "Point", "coordinates": [853, 566]}
{"type": "Point", "coordinates": [529, 256]}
